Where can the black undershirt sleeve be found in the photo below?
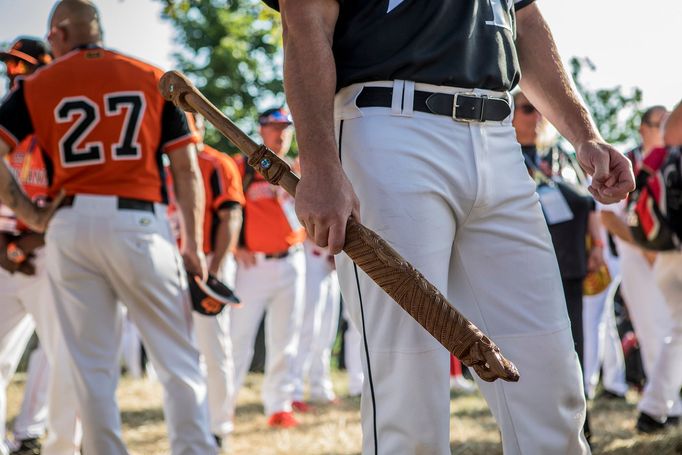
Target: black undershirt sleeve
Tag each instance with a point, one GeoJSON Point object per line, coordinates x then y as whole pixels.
{"type": "Point", "coordinates": [173, 123]}
{"type": "Point", "coordinates": [14, 116]}
{"type": "Point", "coordinates": [229, 205]}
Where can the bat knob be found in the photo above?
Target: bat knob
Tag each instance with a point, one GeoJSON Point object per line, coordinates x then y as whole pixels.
{"type": "Point", "coordinates": [174, 86]}
{"type": "Point", "coordinates": [487, 361]}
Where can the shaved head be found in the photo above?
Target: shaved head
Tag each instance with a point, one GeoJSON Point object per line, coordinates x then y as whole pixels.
{"type": "Point", "coordinates": [80, 19]}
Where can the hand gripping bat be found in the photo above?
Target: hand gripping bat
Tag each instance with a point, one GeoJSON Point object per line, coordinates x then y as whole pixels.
{"type": "Point", "coordinates": [371, 253]}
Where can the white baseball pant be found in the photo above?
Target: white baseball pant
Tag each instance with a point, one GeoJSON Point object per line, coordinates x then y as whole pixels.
{"type": "Point", "coordinates": [275, 287]}
{"type": "Point", "coordinates": [131, 346]}
{"type": "Point", "coordinates": [215, 345]}
{"type": "Point", "coordinates": [352, 355]}
{"type": "Point", "coordinates": [31, 420]}
{"type": "Point", "coordinates": [318, 330]}
{"type": "Point", "coordinates": [662, 391]}
{"type": "Point", "coordinates": [650, 315]}
{"type": "Point", "coordinates": [602, 348]}
{"type": "Point", "coordinates": [98, 255]}
{"type": "Point", "coordinates": [26, 302]}
{"type": "Point", "coordinates": [455, 199]}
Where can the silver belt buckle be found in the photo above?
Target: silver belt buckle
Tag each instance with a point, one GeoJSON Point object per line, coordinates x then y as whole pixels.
{"type": "Point", "coordinates": [455, 105]}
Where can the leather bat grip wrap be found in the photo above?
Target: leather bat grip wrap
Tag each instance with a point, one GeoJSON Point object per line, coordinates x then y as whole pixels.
{"type": "Point", "coordinates": [397, 277]}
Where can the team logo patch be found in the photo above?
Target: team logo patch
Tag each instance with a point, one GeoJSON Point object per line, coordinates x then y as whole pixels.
{"type": "Point", "coordinates": [211, 306]}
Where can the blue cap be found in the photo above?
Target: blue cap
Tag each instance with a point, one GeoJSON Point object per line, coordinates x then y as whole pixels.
{"type": "Point", "coordinates": [275, 115]}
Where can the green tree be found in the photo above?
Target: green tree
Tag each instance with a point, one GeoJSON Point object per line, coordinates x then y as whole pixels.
{"type": "Point", "coordinates": [615, 110]}
{"type": "Point", "coordinates": [231, 49]}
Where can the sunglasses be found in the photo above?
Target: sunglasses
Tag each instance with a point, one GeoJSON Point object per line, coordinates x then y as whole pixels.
{"type": "Point", "coordinates": [16, 67]}
{"type": "Point", "coordinates": [527, 108]}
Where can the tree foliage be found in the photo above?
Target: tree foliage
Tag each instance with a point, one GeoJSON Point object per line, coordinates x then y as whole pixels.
{"type": "Point", "coordinates": [616, 111]}
{"type": "Point", "coordinates": [231, 49]}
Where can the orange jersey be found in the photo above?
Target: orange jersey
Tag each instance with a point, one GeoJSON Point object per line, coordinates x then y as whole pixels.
{"type": "Point", "coordinates": [27, 165]}
{"type": "Point", "coordinates": [270, 224]}
{"type": "Point", "coordinates": [102, 122]}
{"type": "Point", "coordinates": [222, 186]}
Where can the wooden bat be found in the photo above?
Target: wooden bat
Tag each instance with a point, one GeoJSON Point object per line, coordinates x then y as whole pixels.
{"type": "Point", "coordinates": [400, 280]}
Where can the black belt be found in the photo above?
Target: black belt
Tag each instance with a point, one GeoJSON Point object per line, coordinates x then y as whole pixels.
{"type": "Point", "coordinates": [283, 254]}
{"type": "Point", "coordinates": [124, 203]}
{"type": "Point", "coordinates": [464, 107]}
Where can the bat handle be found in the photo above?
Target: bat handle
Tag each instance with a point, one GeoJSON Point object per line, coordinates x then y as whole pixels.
{"type": "Point", "coordinates": [422, 300]}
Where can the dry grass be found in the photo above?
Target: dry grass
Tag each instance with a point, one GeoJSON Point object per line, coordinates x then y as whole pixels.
{"type": "Point", "coordinates": [335, 430]}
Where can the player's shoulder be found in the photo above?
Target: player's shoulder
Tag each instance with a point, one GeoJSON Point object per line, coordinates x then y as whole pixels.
{"type": "Point", "coordinates": [135, 63]}
{"type": "Point", "coordinates": [221, 159]}
{"type": "Point", "coordinates": [93, 61]}
{"type": "Point", "coordinates": [54, 69]}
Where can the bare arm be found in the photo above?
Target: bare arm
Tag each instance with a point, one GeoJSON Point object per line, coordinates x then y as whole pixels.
{"type": "Point", "coordinates": [227, 235]}
{"type": "Point", "coordinates": [673, 127]}
{"type": "Point", "coordinates": [324, 197]}
{"type": "Point", "coordinates": [189, 193]}
{"type": "Point", "coordinates": [616, 226]}
{"type": "Point", "coordinates": [548, 86]}
{"type": "Point", "coordinates": [596, 253]}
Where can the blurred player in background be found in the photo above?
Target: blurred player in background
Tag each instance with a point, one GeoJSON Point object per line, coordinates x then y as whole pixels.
{"type": "Point", "coordinates": [104, 126]}
{"type": "Point", "coordinates": [222, 225]}
{"type": "Point", "coordinates": [25, 298]}
{"type": "Point", "coordinates": [270, 277]}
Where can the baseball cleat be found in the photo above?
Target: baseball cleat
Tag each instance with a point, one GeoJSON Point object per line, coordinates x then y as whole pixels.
{"type": "Point", "coordinates": [282, 419]}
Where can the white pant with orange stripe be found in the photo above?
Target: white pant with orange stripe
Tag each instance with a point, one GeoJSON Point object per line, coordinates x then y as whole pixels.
{"type": "Point", "coordinates": [318, 330]}
{"type": "Point", "coordinates": [275, 287]}
{"type": "Point", "coordinates": [98, 255]}
{"type": "Point", "coordinates": [26, 303]}
{"type": "Point", "coordinates": [215, 345]}
{"type": "Point", "coordinates": [455, 199]}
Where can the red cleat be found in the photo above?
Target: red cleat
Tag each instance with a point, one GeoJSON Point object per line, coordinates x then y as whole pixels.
{"type": "Point", "coordinates": [282, 419]}
{"type": "Point", "coordinates": [301, 407]}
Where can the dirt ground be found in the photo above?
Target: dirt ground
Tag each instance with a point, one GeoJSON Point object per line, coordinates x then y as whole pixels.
{"type": "Point", "coordinates": [335, 430]}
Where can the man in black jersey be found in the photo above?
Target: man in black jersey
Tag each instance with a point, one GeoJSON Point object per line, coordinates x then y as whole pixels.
{"type": "Point", "coordinates": [405, 104]}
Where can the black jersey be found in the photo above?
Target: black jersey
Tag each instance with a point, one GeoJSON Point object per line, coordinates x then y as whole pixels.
{"type": "Point", "coordinates": [461, 43]}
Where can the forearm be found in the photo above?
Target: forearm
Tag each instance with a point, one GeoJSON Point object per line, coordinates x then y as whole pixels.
{"type": "Point", "coordinates": [227, 235]}
{"type": "Point", "coordinates": [616, 226]}
{"type": "Point", "coordinates": [545, 81]}
{"type": "Point", "coordinates": [189, 193]}
{"type": "Point", "coordinates": [14, 197]}
{"type": "Point", "coordinates": [593, 227]}
{"type": "Point", "coordinates": [308, 33]}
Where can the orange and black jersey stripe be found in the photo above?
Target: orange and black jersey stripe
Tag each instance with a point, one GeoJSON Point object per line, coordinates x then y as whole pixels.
{"type": "Point", "coordinates": [102, 122]}
{"type": "Point", "coordinates": [222, 188]}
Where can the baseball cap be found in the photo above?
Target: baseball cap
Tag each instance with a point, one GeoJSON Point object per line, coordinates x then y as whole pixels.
{"type": "Point", "coordinates": [25, 51]}
{"type": "Point", "coordinates": [275, 115]}
{"type": "Point", "coordinates": [211, 296]}
{"type": "Point", "coordinates": [30, 50]}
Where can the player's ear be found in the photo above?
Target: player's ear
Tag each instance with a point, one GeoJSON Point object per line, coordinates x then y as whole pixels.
{"type": "Point", "coordinates": [63, 34]}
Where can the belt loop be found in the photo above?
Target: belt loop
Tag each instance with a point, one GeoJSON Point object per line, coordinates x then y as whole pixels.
{"type": "Point", "coordinates": [397, 101]}
{"type": "Point", "coordinates": [408, 99]}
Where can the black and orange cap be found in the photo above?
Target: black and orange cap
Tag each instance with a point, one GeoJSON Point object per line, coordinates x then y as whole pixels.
{"type": "Point", "coordinates": [30, 50]}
